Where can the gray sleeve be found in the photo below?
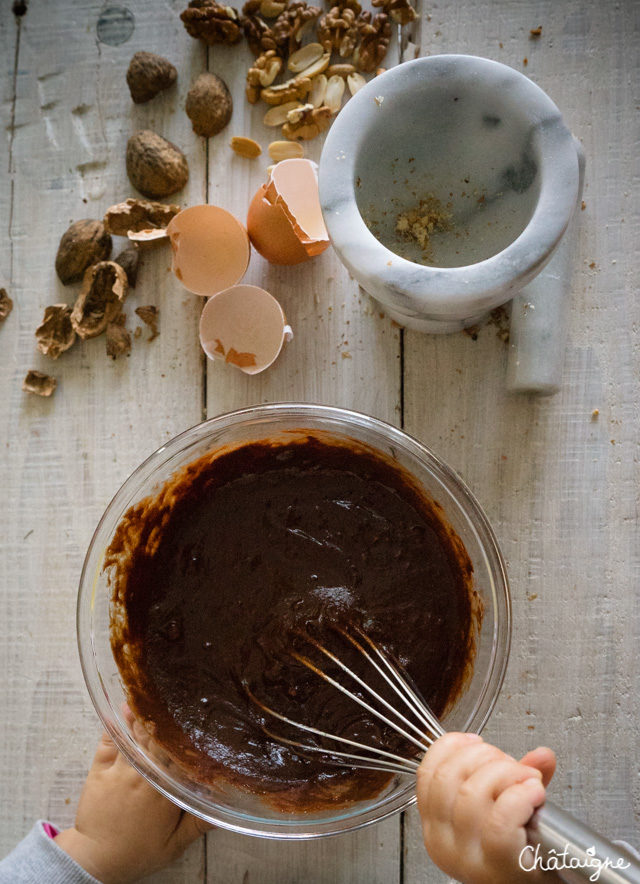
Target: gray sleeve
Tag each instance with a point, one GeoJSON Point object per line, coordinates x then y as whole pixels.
{"type": "Point", "coordinates": [37, 859]}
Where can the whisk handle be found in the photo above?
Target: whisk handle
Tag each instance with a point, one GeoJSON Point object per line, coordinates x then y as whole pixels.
{"type": "Point", "coordinates": [555, 833]}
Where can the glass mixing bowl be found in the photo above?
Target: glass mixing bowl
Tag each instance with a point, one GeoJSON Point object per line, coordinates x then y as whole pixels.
{"type": "Point", "coordinates": [224, 805]}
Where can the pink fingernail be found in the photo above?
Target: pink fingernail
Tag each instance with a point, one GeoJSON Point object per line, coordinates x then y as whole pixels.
{"type": "Point", "coordinates": [473, 738]}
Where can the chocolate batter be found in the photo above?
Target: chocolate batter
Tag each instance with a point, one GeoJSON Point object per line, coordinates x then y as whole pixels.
{"type": "Point", "coordinates": [217, 576]}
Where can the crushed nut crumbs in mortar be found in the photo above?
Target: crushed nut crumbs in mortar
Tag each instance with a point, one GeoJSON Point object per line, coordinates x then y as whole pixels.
{"type": "Point", "coordinates": [417, 224]}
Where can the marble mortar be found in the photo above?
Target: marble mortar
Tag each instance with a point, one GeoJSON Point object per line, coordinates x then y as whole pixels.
{"type": "Point", "coordinates": [492, 149]}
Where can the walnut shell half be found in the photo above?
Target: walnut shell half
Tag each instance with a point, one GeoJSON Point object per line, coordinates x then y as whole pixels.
{"type": "Point", "coordinates": [155, 166]}
{"type": "Point", "coordinates": [104, 288]}
{"type": "Point", "coordinates": [137, 215]}
{"type": "Point", "coordinates": [81, 245]}
{"type": "Point", "coordinates": [55, 334]}
{"type": "Point", "coordinates": [39, 383]}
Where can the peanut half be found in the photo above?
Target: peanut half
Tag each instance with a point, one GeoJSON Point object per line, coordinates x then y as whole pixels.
{"type": "Point", "coordinates": [355, 82]}
{"type": "Point", "coordinates": [245, 147]}
{"type": "Point", "coordinates": [318, 90]}
{"type": "Point", "coordinates": [285, 150]}
{"type": "Point", "coordinates": [277, 115]}
{"type": "Point", "coordinates": [303, 58]}
{"type": "Point", "coordinates": [334, 93]}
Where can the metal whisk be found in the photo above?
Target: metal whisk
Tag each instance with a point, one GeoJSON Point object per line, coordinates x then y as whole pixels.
{"type": "Point", "coordinates": [552, 830]}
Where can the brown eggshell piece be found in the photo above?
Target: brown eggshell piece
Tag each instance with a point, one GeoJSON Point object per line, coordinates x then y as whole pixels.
{"type": "Point", "coordinates": [285, 220]}
{"type": "Point", "coordinates": [245, 326]}
{"type": "Point", "coordinates": [293, 184]}
{"type": "Point", "coordinates": [271, 232]}
{"type": "Point", "coordinates": [210, 249]}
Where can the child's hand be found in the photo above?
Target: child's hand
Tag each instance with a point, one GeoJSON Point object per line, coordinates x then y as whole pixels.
{"type": "Point", "coordinates": [124, 828]}
{"type": "Point", "coordinates": [474, 802]}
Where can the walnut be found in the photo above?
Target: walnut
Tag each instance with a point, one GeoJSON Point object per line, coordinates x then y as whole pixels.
{"type": "Point", "coordinates": [83, 244]}
{"type": "Point", "coordinates": [307, 123]}
{"type": "Point", "coordinates": [266, 8]}
{"type": "Point", "coordinates": [118, 338]}
{"type": "Point", "coordinates": [6, 305]}
{"type": "Point", "coordinates": [288, 27]}
{"type": "Point", "coordinates": [209, 105]}
{"type": "Point", "coordinates": [262, 73]}
{"type": "Point", "coordinates": [399, 11]}
{"type": "Point", "coordinates": [293, 90]}
{"type": "Point", "coordinates": [149, 315]}
{"type": "Point", "coordinates": [128, 259]}
{"type": "Point", "coordinates": [155, 166]}
{"type": "Point", "coordinates": [148, 74]}
{"type": "Point", "coordinates": [210, 21]}
{"type": "Point", "coordinates": [338, 30]}
{"type": "Point", "coordinates": [347, 4]}
{"type": "Point", "coordinates": [55, 333]}
{"type": "Point", "coordinates": [259, 35]}
{"type": "Point", "coordinates": [39, 383]}
{"type": "Point", "coordinates": [104, 288]}
{"type": "Point", "coordinates": [375, 32]}
{"type": "Point", "coordinates": [137, 215]}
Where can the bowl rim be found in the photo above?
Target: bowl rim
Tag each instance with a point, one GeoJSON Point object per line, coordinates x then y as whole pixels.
{"type": "Point", "coordinates": [148, 768]}
{"type": "Point", "coordinates": [446, 293]}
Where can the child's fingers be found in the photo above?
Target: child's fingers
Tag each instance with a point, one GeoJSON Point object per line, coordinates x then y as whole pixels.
{"type": "Point", "coordinates": [443, 749]}
{"type": "Point", "coordinates": [106, 752]}
{"type": "Point", "coordinates": [477, 794]}
{"type": "Point", "coordinates": [492, 779]}
{"type": "Point", "coordinates": [542, 759]}
{"type": "Point", "coordinates": [189, 829]}
{"type": "Point", "coordinates": [515, 807]}
{"type": "Point", "coordinates": [441, 784]}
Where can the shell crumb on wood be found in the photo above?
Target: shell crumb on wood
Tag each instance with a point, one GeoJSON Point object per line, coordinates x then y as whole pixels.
{"type": "Point", "coordinates": [39, 383]}
{"type": "Point", "coordinates": [155, 166]}
{"type": "Point", "coordinates": [118, 338]}
{"type": "Point", "coordinates": [84, 243]}
{"type": "Point", "coordinates": [6, 305]}
{"type": "Point", "coordinates": [104, 288]}
{"type": "Point", "coordinates": [135, 215]}
{"type": "Point", "coordinates": [55, 334]}
{"type": "Point", "coordinates": [149, 314]}
{"type": "Point", "coordinates": [148, 74]}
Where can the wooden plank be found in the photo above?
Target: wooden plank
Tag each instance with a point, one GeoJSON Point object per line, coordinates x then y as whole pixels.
{"type": "Point", "coordinates": [343, 353]}
{"type": "Point", "coordinates": [65, 457]}
{"type": "Point", "coordinates": [560, 494]}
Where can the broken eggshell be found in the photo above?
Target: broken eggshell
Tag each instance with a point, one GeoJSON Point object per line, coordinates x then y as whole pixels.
{"type": "Point", "coordinates": [285, 220]}
{"type": "Point", "coordinates": [210, 249]}
{"type": "Point", "coordinates": [245, 326]}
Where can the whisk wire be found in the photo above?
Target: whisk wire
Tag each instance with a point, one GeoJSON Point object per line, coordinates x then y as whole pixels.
{"type": "Point", "coordinates": [406, 765]}
{"type": "Point", "coordinates": [412, 698]}
{"type": "Point", "coordinates": [427, 730]}
{"type": "Point", "coordinates": [380, 715]}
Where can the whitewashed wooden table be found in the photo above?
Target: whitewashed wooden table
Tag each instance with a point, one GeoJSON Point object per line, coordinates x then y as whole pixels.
{"type": "Point", "coordinates": [560, 487]}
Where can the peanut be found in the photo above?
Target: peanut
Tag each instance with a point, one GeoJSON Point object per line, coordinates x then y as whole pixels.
{"type": "Point", "coordinates": [245, 147]}
{"type": "Point", "coordinates": [304, 57]}
{"type": "Point", "coordinates": [355, 83]}
{"type": "Point", "coordinates": [285, 150]}
{"type": "Point", "coordinates": [277, 115]}
{"type": "Point", "coordinates": [334, 93]}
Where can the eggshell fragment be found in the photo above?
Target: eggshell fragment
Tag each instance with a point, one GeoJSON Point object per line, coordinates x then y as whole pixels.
{"type": "Point", "coordinates": [245, 326]}
{"type": "Point", "coordinates": [285, 221]}
{"type": "Point", "coordinates": [210, 249]}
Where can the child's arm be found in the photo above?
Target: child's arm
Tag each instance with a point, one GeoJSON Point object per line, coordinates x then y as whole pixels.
{"type": "Point", "coordinates": [475, 801]}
